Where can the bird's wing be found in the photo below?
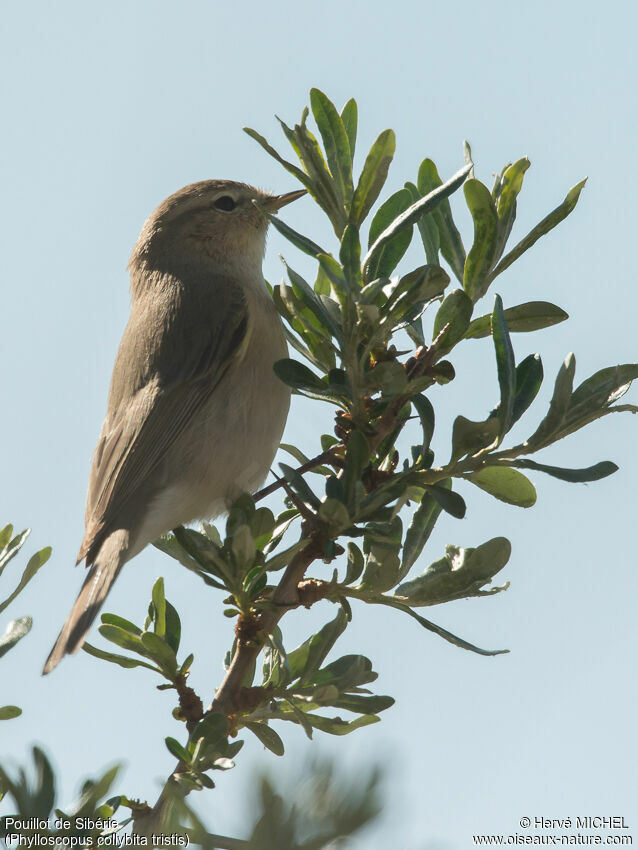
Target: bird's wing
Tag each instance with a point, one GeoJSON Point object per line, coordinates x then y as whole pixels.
{"type": "Point", "coordinates": [168, 364]}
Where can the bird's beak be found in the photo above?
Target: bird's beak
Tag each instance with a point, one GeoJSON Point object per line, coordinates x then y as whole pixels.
{"type": "Point", "coordinates": [275, 202]}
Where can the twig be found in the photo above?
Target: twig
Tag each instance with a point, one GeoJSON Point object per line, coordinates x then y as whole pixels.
{"type": "Point", "coordinates": [325, 457]}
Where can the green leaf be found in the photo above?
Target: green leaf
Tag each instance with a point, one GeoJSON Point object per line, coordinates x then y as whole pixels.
{"type": "Point", "coordinates": [461, 574]}
{"type": "Point", "coordinates": [482, 254]}
{"type": "Point", "coordinates": [373, 176]}
{"type": "Point", "coordinates": [346, 673]}
{"type": "Point", "coordinates": [505, 365]}
{"type": "Point", "coordinates": [420, 530]}
{"type": "Point", "coordinates": [364, 704]}
{"type": "Point", "coordinates": [511, 182]}
{"type": "Point", "coordinates": [243, 548]}
{"type": "Point", "coordinates": [169, 544]}
{"type": "Point", "coordinates": [450, 501]}
{"type": "Point", "coordinates": [355, 564]}
{"type": "Point", "coordinates": [456, 312]}
{"type": "Point", "coordinates": [268, 737]}
{"type": "Point", "coordinates": [602, 387]}
{"type": "Point", "coordinates": [173, 627]}
{"type": "Point", "coordinates": [294, 374]}
{"type": "Point", "coordinates": [297, 239]}
{"type": "Point", "coordinates": [505, 484]}
{"type": "Point", "coordinates": [531, 316]}
{"type": "Point", "coordinates": [335, 142]}
{"type": "Point", "coordinates": [558, 405]}
{"type": "Point", "coordinates": [337, 726]}
{"type": "Point", "coordinates": [415, 212]}
{"type": "Point", "coordinates": [382, 569]}
{"type": "Point", "coordinates": [449, 237]}
{"type": "Point", "coordinates": [427, 229]}
{"type": "Point", "coordinates": [298, 483]}
{"type": "Point", "coordinates": [159, 603]}
{"type": "Point", "coordinates": [468, 437]}
{"type": "Point", "coordinates": [387, 259]}
{"type": "Point", "coordinates": [350, 255]}
{"type": "Point", "coordinates": [328, 324]}
{"type": "Point", "coordinates": [262, 525]}
{"type": "Point", "coordinates": [529, 377]}
{"type": "Point", "coordinates": [308, 658]}
{"type": "Point", "coordinates": [349, 117]}
{"type": "Point", "coordinates": [125, 639]}
{"type": "Point", "coordinates": [275, 669]}
{"type": "Point", "coordinates": [590, 473]}
{"type": "Point", "coordinates": [120, 660]}
{"type": "Point", "coordinates": [157, 649]}
{"type": "Point", "coordinates": [335, 515]}
{"type": "Point", "coordinates": [33, 565]}
{"type": "Point", "coordinates": [213, 728]}
{"type": "Point", "coordinates": [14, 632]}
{"type": "Point", "coordinates": [115, 620]}
{"type": "Point", "coordinates": [292, 169]}
{"type": "Point", "coordinates": [548, 223]}
{"type": "Point", "coordinates": [10, 546]}
{"type": "Point", "coordinates": [432, 627]}
{"type": "Point", "coordinates": [425, 411]}
{"type": "Point", "coordinates": [324, 188]}
{"type": "Point", "coordinates": [176, 749]}
{"type": "Point", "coordinates": [8, 712]}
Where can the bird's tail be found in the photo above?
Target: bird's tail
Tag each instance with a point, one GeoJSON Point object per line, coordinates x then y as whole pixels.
{"type": "Point", "coordinates": [97, 584]}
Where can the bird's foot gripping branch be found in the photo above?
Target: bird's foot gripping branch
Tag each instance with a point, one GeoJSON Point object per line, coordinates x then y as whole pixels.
{"type": "Point", "coordinates": [372, 339]}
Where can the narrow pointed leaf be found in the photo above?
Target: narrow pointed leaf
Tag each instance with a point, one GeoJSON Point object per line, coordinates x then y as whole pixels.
{"type": "Point", "coordinates": [115, 620]}
{"type": "Point", "coordinates": [548, 223]}
{"type": "Point", "coordinates": [456, 312]}
{"type": "Point", "coordinates": [120, 660]}
{"type": "Point", "coordinates": [531, 316]}
{"type": "Point", "coordinates": [293, 169]}
{"type": "Point", "coordinates": [601, 387]}
{"type": "Point", "coordinates": [10, 546]}
{"type": "Point", "coordinates": [159, 602]}
{"type": "Point", "coordinates": [432, 627]}
{"type": "Point", "coordinates": [482, 254]}
{"type": "Point", "coordinates": [558, 405]}
{"type": "Point", "coordinates": [510, 185]}
{"type": "Point", "coordinates": [505, 365]}
{"type": "Point", "coordinates": [298, 240]}
{"type": "Point", "coordinates": [387, 259]}
{"type": "Point", "coordinates": [419, 531]}
{"type": "Point", "coordinates": [427, 229]}
{"type": "Point", "coordinates": [337, 726]}
{"type": "Point", "coordinates": [529, 377]}
{"type": "Point", "coordinates": [176, 749]}
{"type": "Point", "coordinates": [308, 658]}
{"type": "Point", "coordinates": [33, 565]}
{"type": "Point", "coordinates": [590, 473]}
{"type": "Point", "coordinates": [268, 737]}
{"type": "Point", "coordinates": [449, 237]}
{"type": "Point", "coordinates": [373, 175]}
{"type": "Point", "coordinates": [349, 117]}
{"type": "Point", "coordinates": [335, 142]}
{"type": "Point", "coordinates": [415, 212]}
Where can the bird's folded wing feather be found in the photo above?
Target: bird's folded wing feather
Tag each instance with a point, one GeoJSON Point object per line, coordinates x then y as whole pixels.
{"type": "Point", "coordinates": [162, 377]}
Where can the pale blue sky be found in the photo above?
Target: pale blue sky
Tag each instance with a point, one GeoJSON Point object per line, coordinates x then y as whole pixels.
{"type": "Point", "coordinates": [110, 107]}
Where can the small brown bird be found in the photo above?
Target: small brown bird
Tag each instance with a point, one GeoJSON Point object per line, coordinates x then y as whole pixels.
{"type": "Point", "coordinates": [195, 412]}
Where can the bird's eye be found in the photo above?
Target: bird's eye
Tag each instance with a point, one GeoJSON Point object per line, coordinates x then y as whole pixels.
{"type": "Point", "coordinates": [225, 203]}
